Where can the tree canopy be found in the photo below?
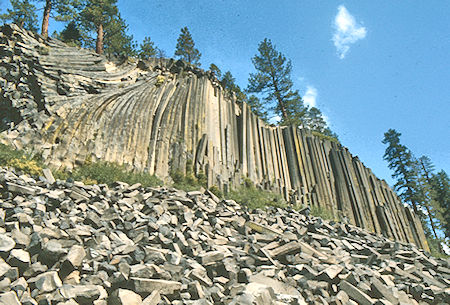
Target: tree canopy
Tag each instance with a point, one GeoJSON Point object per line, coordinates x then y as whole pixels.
{"type": "Point", "coordinates": [147, 48]}
{"type": "Point", "coordinates": [22, 13]}
{"type": "Point", "coordinates": [215, 69]}
{"type": "Point", "coordinates": [117, 41]}
{"type": "Point", "coordinates": [97, 14]}
{"type": "Point", "coordinates": [71, 34]}
{"type": "Point", "coordinates": [185, 48]}
{"type": "Point", "coordinates": [273, 80]}
{"type": "Point", "coordinates": [418, 184]}
{"type": "Point", "coordinates": [400, 159]}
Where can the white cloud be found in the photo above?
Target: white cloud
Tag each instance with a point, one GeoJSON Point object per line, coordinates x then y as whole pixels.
{"type": "Point", "coordinates": [309, 98]}
{"type": "Point", "coordinates": [347, 31]}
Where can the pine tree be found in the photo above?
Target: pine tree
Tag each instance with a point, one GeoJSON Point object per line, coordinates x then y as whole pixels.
{"type": "Point", "coordinates": [255, 105]}
{"type": "Point", "coordinates": [96, 15]}
{"type": "Point", "coordinates": [215, 69]}
{"type": "Point", "coordinates": [22, 13]}
{"type": "Point", "coordinates": [400, 159]}
{"type": "Point", "coordinates": [116, 40]}
{"type": "Point", "coordinates": [147, 49]}
{"type": "Point", "coordinates": [185, 48]}
{"type": "Point", "coordinates": [65, 10]}
{"type": "Point", "coordinates": [425, 193]}
{"type": "Point", "coordinates": [440, 184]}
{"type": "Point", "coordinates": [314, 120]}
{"type": "Point", "coordinates": [228, 82]}
{"type": "Point", "coordinates": [273, 79]}
{"type": "Point", "coordinates": [71, 35]}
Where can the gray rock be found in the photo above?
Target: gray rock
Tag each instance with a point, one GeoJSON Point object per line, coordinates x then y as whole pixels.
{"type": "Point", "coordinates": [9, 298]}
{"type": "Point", "coordinates": [356, 294]}
{"type": "Point", "coordinates": [149, 285]}
{"type": "Point", "coordinates": [83, 294]}
{"type": "Point", "coordinates": [6, 243]}
{"type": "Point", "coordinates": [47, 282]}
{"type": "Point", "coordinates": [125, 297]}
{"type": "Point", "coordinates": [153, 299]}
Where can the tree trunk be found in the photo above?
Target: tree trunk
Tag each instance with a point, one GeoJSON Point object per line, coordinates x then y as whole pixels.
{"type": "Point", "coordinates": [99, 44]}
{"type": "Point", "coordinates": [46, 18]}
{"type": "Point", "coordinates": [279, 99]}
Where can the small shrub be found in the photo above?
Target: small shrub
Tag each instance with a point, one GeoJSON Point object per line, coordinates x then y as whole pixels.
{"type": "Point", "coordinates": [324, 213]}
{"type": "Point", "coordinates": [108, 173]}
{"type": "Point", "coordinates": [20, 160]}
{"type": "Point", "coordinates": [26, 165]}
{"type": "Point", "coordinates": [160, 80]}
{"type": "Point", "coordinates": [216, 191]}
{"type": "Point", "coordinates": [8, 153]}
{"type": "Point", "coordinates": [189, 181]}
{"type": "Point", "coordinates": [248, 195]}
{"type": "Point", "coordinates": [325, 137]}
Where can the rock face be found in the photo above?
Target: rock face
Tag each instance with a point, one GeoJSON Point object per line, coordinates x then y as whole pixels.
{"type": "Point", "coordinates": [163, 246]}
{"type": "Point", "coordinates": [72, 105]}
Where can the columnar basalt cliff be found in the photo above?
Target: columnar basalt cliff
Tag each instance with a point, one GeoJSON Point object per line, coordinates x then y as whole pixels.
{"type": "Point", "coordinates": [72, 105]}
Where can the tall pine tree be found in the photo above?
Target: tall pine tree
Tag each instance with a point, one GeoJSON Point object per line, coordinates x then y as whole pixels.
{"type": "Point", "coordinates": [185, 48]}
{"type": "Point", "coordinates": [400, 159]}
{"type": "Point", "coordinates": [96, 14]}
{"type": "Point", "coordinates": [440, 184]}
{"type": "Point", "coordinates": [425, 193]}
{"type": "Point", "coordinates": [273, 79]}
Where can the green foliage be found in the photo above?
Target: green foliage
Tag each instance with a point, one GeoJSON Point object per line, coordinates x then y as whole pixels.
{"type": "Point", "coordinates": [400, 159]}
{"type": "Point", "coordinates": [435, 247]}
{"type": "Point", "coordinates": [108, 173]}
{"type": "Point", "coordinates": [216, 191]}
{"type": "Point", "coordinates": [428, 193]}
{"type": "Point", "coordinates": [71, 35]}
{"type": "Point", "coordinates": [19, 160]}
{"type": "Point", "coordinates": [256, 107]}
{"type": "Point", "coordinates": [187, 180]}
{"type": "Point", "coordinates": [324, 213]}
{"type": "Point", "coordinates": [185, 48]}
{"type": "Point", "coordinates": [273, 80]}
{"type": "Point", "coordinates": [314, 120]}
{"type": "Point", "coordinates": [96, 12]}
{"type": "Point", "coordinates": [98, 15]}
{"type": "Point", "coordinates": [22, 13]}
{"type": "Point", "coordinates": [147, 49]}
{"type": "Point", "coordinates": [117, 42]}
{"type": "Point", "coordinates": [440, 184]}
{"type": "Point", "coordinates": [215, 69]}
{"type": "Point", "coordinates": [326, 136]}
{"type": "Point", "coordinates": [253, 198]}
{"type": "Point", "coordinates": [63, 10]}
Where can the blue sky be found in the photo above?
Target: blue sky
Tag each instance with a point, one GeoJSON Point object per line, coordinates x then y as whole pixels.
{"type": "Point", "coordinates": [388, 66]}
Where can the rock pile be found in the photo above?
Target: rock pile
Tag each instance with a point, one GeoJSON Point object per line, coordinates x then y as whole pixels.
{"type": "Point", "coordinates": [63, 242]}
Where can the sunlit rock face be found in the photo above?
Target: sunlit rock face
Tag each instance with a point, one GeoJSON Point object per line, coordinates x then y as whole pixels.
{"type": "Point", "coordinates": [71, 106]}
